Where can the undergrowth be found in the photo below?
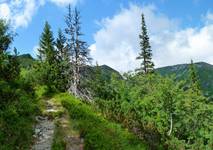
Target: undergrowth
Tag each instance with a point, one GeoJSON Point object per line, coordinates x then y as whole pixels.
{"type": "Point", "coordinates": [98, 133]}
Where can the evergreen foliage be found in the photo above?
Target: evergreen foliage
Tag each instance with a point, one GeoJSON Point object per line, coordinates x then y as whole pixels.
{"type": "Point", "coordinates": [6, 36]}
{"type": "Point", "coordinates": [194, 81]}
{"type": "Point", "coordinates": [204, 73]}
{"type": "Point", "coordinates": [145, 54]}
{"type": "Point", "coordinates": [48, 68]}
{"type": "Point", "coordinates": [160, 111]}
{"type": "Point", "coordinates": [63, 59]}
{"type": "Point", "coordinates": [60, 44]}
{"type": "Point", "coordinates": [17, 108]}
{"type": "Point", "coordinates": [98, 133]}
{"type": "Point", "coordinates": [47, 52]}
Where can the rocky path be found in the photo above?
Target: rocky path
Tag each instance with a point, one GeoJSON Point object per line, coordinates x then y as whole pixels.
{"type": "Point", "coordinates": [44, 132]}
{"type": "Point", "coordinates": [44, 129]}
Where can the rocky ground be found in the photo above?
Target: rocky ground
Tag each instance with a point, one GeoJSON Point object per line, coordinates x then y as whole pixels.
{"type": "Point", "coordinates": [44, 132]}
{"type": "Point", "coordinates": [45, 127]}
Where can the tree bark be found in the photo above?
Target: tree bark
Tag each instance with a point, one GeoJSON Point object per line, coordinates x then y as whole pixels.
{"type": "Point", "coordinates": [171, 125]}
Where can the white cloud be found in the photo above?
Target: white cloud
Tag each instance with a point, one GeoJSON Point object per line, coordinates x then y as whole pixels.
{"type": "Point", "coordinates": [22, 18]}
{"type": "Point", "coordinates": [35, 51]}
{"type": "Point", "coordinates": [117, 44]}
{"type": "Point", "coordinates": [208, 18]}
{"type": "Point", "coordinates": [183, 45]}
{"type": "Point", "coordinates": [4, 11]}
{"type": "Point", "coordinates": [20, 12]}
{"type": "Point", "coordinates": [64, 2]}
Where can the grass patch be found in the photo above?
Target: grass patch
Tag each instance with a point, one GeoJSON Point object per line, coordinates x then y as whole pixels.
{"type": "Point", "coordinates": [58, 140]}
{"type": "Point", "coordinates": [98, 133]}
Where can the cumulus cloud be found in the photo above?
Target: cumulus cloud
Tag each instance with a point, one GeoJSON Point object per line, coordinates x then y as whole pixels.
{"type": "Point", "coordinates": [208, 18]}
{"type": "Point", "coordinates": [20, 12]}
{"type": "Point", "coordinates": [35, 51]}
{"type": "Point", "coordinates": [4, 11]}
{"type": "Point", "coordinates": [117, 44]}
{"type": "Point", "coordinates": [22, 18]}
{"type": "Point", "coordinates": [64, 2]}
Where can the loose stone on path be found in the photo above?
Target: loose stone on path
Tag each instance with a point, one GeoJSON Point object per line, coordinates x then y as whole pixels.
{"type": "Point", "coordinates": [44, 133]}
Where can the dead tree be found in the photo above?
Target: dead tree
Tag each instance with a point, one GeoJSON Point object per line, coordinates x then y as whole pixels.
{"type": "Point", "coordinates": [79, 52]}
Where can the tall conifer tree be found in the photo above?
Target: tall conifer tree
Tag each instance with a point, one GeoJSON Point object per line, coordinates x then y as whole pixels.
{"type": "Point", "coordinates": [63, 62]}
{"type": "Point", "coordinates": [47, 52]}
{"type": "Point", "coordinates": [193, 77]}
{"type": "Point", "coordinates": [61, 47]}
{"type": "Point", "coordinates": [78, 49]}
{"type": "Point", "coordinates": [6, 36]}
{"type": "Point", "coordinates": [9, 69]}
{"type": "Point", "coordinates": [145, 54]}
{"type": "Point", "coordinates": [48, 66]}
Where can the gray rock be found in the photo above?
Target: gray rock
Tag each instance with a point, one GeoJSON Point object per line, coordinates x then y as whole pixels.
{"type": "Point", "coordinates": [44, 132]}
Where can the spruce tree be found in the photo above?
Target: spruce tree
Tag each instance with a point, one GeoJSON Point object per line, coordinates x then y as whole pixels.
{"type": "Point", "coordinates": [145, 55]}
{"type": "Point", "coordinates": [8, 63]}
{"type": "Point", "coordinates": [63, 61]}
{"type": "Point", "coordinates": [48, 67]}
{"type": "Point", "coordinates": [61, 47]}
{"type": "Point", "coordinates": [78, 49]}
{"type": "Point", "coordinates": [9, 66]}
{"type": "Point", "coordinates": [47, 52]}
{"type": "Point", "coordinates": [6, 36]}
{"type": "Point", "coordinates": [193, 77]}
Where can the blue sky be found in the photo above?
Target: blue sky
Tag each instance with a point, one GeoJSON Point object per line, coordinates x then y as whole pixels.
{"type": "Point", "coordinates": [111, 28]}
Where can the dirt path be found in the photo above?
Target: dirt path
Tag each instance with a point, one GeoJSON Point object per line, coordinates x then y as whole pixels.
{"type": "Point", "coordinates": [44, 132]}
{"type": "Point", "coordinates": [46, 125]}
{"type": "Point", "coordinates": [44, 129]}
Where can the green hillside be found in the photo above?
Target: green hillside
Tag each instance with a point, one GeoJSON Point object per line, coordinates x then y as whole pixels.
{"type": "Point", "coordinates": [106, 72]}
{"type": "Point", "coordinates": [25, 60]}
{"type": "Point", "coordinates": [204, 71]}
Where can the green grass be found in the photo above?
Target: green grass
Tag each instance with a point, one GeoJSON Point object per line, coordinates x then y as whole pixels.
{"type": "Point", "coordinates": [58, 140]}
{"type": "Point", "coordinates": [98, 133]}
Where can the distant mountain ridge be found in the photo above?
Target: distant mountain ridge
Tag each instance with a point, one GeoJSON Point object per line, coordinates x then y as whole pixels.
{"type": "Point", "coordinates": [180, 71]}
{"type": "Point", "coordinates": [204, 71]}
{"type": "Point", "coordinates": [26, 60]}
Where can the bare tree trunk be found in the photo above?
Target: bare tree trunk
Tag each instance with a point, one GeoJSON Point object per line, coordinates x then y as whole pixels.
{"type": "Point", "coordinates": [75, 82]}
{"type": "Point", "coordinates": [171, 125]}
{"type": "Point", "coordinates": [76, 75]}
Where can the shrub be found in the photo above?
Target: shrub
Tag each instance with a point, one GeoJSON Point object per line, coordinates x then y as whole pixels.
{"type": "Point", "coordinates": [98, 133]}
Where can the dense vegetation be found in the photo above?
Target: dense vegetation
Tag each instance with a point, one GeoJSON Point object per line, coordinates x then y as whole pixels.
{"type": "Point", "coordinates": [181, 72]}
{"type": "Point", "coordinates": [17, 100]}
{"type": "Point", "coordinates": [160, 111]}
{"type": "Point", "coordinates": [98, 133]}
{"type": "Point", "coordinates": [146, 108]}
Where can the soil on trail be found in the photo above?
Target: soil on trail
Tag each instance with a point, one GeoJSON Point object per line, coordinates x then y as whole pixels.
{"type": "Point", "coordinates": [46, 126]}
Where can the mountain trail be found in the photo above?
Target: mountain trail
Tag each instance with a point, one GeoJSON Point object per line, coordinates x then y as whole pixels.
{"type": "Point", "coordinates": [44, 131]}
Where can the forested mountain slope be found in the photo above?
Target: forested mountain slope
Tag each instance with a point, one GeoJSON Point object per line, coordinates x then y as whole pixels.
{"type": "Point", "coordinates": [204, 71]}
{"type": "Point", "coordinates": [180, 72]}
{"type": "Point", "coordinates": [26, 60]}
